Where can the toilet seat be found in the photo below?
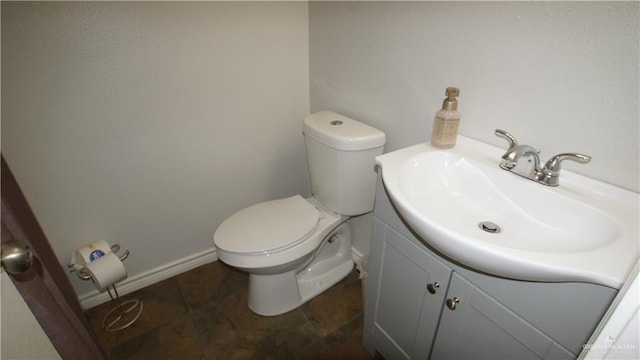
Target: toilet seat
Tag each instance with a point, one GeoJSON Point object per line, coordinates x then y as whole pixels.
{"type": "Point", "coordinates": [268, 227]}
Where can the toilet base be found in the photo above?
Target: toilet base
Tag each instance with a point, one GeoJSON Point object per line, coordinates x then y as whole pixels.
{"type": "Point", "coordinates": [310, 287]}
{"type": "Point", "coordinates": [271, 295]}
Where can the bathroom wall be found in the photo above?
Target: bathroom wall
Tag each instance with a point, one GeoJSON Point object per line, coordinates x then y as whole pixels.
{"type": "Point", "coordinates": [147, 124]}
{"type": "Point", "coordinates": [562, 76]}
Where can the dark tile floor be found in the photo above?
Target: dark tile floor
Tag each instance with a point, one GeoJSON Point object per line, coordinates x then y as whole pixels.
{"type": "Point", "coordinates": [203, 314]}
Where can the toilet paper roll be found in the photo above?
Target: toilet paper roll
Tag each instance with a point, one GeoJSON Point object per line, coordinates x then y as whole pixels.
{"type": "Point", "coordinates": [90, 252]}
{"type": "Point", "coordinates": [106, 270]}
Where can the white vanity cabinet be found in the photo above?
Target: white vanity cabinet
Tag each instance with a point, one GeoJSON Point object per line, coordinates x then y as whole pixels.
{"type": "Point", "coordinates": [421, 305]}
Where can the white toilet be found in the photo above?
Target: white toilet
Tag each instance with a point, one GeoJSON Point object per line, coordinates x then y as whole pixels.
{"type": "Point", "coordinates": [295, 248]}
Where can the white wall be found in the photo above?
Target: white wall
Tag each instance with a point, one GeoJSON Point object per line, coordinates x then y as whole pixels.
{"type": "Point", "coordinates": [562, 76]}
{"type": "Point", "coordinates": [148, 124]}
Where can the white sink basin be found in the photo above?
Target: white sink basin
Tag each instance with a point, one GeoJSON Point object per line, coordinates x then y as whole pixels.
{"type": "Point", "coordinates": [583, 230]}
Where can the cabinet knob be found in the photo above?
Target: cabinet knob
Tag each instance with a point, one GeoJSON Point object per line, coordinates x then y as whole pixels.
{"type": "Point", "coordinates": [451, 303]}
{"type": "Point", "coordinates": [431, 287]}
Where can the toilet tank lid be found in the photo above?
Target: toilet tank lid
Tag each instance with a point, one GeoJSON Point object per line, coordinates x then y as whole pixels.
{"type": "Point", "coordinates": [341, 132]}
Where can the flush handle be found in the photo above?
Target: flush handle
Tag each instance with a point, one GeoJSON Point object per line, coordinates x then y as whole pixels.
{"type": "Point", "coordinates": [431, 287]}
{"type": "Point", "coordinates": [452, 303]}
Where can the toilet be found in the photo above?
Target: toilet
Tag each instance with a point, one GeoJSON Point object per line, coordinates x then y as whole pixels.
{"type": "Point", "coordinates": [296, 248]}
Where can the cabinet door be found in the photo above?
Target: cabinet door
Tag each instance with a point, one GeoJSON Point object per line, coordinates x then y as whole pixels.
{"type": "Point", "coordinates": [407, 313]}
{"type": "Point", "coordinates": [474, 325]}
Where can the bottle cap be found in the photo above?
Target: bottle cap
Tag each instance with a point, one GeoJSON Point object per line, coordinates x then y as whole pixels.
{"type": "Point", "coordinates": [450, 103]}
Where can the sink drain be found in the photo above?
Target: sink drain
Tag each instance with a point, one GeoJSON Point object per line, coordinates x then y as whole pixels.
{"type": "Point", "coordinates": [489, 227]}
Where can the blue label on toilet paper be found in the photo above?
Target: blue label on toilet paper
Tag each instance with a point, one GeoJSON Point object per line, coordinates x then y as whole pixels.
{"type": "Point", "coordinates": [95, 254]}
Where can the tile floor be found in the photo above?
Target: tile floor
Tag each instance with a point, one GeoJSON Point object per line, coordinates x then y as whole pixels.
{"type": "Point", "coordinates": [203, 314]}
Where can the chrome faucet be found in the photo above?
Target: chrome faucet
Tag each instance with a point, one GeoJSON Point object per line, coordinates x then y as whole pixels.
{"type": "Point", "coordinates": [524, 160]}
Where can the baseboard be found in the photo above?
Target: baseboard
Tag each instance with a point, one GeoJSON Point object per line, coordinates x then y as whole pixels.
{"type": "Point", "coordinates": [131, 284]}
{"type": "Point", "coordinates": [94, 297]}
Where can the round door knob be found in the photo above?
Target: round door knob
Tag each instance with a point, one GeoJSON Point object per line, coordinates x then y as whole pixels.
{"type": "Point", "coordinates": [431, 287]}
{"type": "Point", "coordinates": [16, 258]}
{"type": "Point", "coordinates": [451, 303]}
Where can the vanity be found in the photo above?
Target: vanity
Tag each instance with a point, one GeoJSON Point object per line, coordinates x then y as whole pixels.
{"type": "Point", "coordinates": [437, 290]}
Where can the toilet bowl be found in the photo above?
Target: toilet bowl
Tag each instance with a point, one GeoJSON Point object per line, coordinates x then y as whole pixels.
{"type": "Point", "coordinates": [273, 236]}
{"type": "Point", "coordinates": [295, 248]}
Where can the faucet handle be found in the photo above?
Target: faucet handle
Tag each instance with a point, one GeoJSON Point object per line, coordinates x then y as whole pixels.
{"type": "Point", "coordinates": [552, 167]}
{"type": "Point", "coordinates": [510, 138]}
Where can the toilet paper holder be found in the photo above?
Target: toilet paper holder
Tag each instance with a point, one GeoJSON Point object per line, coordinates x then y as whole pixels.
{"type": "Point", "coordinates": [125, 313]}
{"type": "Point", "coordinates": [83, 275]}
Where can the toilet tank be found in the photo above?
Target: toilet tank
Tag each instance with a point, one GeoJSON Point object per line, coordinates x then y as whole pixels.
{"type": "Point", "coordinates": [341, 155]}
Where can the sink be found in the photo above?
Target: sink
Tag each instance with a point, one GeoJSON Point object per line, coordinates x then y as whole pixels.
{"type": "Point", "coordinates": [462, 204]}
